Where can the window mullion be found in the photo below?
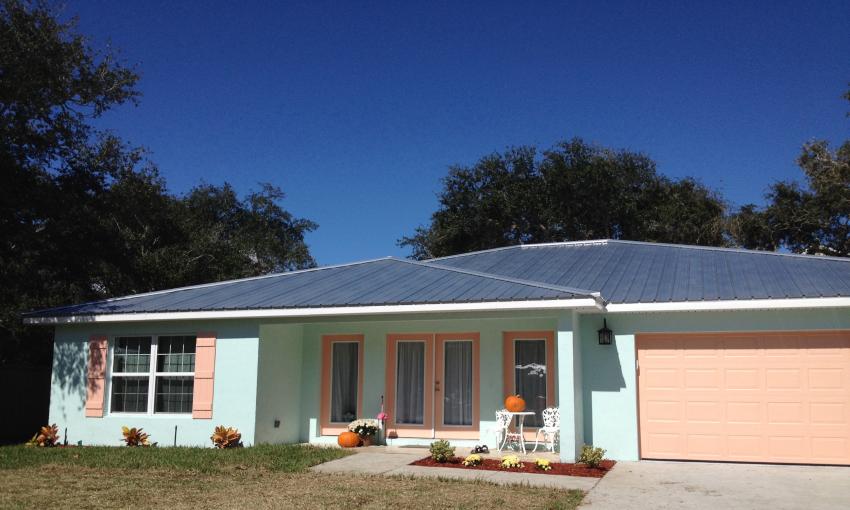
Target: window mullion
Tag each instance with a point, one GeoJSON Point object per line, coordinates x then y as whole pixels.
{"type": "Point", "coordinates": [152, 375]}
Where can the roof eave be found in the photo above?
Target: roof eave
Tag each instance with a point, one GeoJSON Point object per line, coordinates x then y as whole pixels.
{"type": "Point", "coordinates": [330, 311]}
{"type": "Point", "coordinates": [730, 305]}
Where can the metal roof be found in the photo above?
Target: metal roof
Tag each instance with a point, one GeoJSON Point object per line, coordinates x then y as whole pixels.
{"type": "Point", "coordinates": [606, 270]}
{"type": "Point", "coordinates": [386, 281]}
{"type": "Point", "coordinates": [639, 272]}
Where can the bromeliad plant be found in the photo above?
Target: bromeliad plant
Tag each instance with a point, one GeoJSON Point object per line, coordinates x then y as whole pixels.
{"type": "Point", "coordinates": [47, 436]}
{"type": "Point", "coordinates": [135, 437]}
{"type": "Point", "coordinates": [226, 437]}
{"type": "Point", "coordinates": [511, 462]}
{"type": "Point", "coordinates": [472, 460]}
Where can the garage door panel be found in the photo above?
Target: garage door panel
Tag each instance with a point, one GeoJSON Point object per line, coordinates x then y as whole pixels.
{"type": "Point", "coordinates": [827, 378]}
{"type": "Point", "coordinates": [760, 397]}
{"type": "Point", "coordinates": [742, 379]}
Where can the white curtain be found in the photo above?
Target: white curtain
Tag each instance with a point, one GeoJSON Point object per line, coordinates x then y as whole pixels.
{"type": "Point", "coordinates": [410, 383]}
{"type": "Point", "coordinates": [344, 378]}
{"type": "Point", "coordinates": [457, 399]}
{"type": "Point", "coordinates": [530, 377]}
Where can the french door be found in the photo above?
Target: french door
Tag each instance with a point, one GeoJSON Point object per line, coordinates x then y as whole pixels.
{"type": "Point", "coordinates": [432, 385]}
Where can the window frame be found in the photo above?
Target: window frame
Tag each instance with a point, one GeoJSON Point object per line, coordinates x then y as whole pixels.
{"type": "Point", "coordinates": [327, 426]}
{"type": "Point", "coordinates": [151, 374]}
{"type": "Point", "coordinates": [509, 370]}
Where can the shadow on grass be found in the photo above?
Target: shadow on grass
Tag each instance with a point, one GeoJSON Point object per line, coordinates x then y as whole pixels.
{"type": "Point", "coordinates": [283, 458]}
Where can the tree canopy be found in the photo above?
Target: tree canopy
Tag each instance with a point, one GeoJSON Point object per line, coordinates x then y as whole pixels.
{"type": "Point", "coordinates": [812, 217]}
{"type": "Point", "coordinates": [573, 191]}
{"type": "Point", "coordinates": [85, 216]}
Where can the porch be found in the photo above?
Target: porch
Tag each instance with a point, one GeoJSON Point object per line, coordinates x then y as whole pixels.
{"type": "Point", "coordinates": [440, 377]}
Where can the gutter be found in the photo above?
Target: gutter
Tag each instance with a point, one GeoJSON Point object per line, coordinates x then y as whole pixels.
{"type": "Point", "coordinates": [591, 303]}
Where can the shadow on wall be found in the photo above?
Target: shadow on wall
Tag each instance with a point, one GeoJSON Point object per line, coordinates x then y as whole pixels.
{"type": "Point", "coordinates": [69, 365]}
{"type": "Point", "coordinates": [26, 390]}
{"type": "Point", "coordinates": [602, 373]}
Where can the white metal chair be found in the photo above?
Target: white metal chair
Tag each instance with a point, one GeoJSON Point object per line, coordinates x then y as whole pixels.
{"type": "Point", "coordinates": [502, 429]}
{"type": "Point", "coordinates": [551, 428]}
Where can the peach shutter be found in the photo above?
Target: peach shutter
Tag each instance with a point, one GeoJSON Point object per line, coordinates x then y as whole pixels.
{"type": "Point", "coordinates": [202, 399]}
{"type": "Point", "coordinates": [95, 376]}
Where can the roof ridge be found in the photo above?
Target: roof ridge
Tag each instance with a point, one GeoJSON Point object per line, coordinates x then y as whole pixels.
{"type": "Point", "coordinates": [211, 284]}
{"type": "Point", "coordinates": [646, 243]}
{"type": "Point", "coordinates": [532, 283]}
{"type": "Point", "coordinates": [732, 250]}
{"type": "Point", "coordinates": [522, 246]}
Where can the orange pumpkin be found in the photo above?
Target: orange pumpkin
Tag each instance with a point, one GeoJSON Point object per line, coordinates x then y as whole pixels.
{"type": "Point", "coordinates": [515, 404]}
{"type": "Point", "coordinates": [348, 440]}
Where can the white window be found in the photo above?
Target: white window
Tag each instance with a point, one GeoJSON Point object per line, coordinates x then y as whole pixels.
{"type": "Point", "coordinates": [162, 366]}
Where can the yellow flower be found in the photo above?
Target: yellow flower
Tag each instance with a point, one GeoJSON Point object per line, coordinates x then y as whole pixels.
{"type": "Point", "coordinates": [543, 464]}
{"type": "Point", "coordinates": [511, 461]}
{"type": "Point", "coordinates": [472, 460]}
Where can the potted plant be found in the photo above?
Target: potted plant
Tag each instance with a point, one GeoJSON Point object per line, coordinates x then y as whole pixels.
{"type": "Point", "coordinates": [365, 429]}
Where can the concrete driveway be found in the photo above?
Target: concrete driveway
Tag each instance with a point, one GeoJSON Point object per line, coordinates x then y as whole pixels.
{"type": "Point", "coordinates": [704, 485]}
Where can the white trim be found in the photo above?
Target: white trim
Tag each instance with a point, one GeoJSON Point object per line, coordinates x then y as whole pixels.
{"type": "Point", "coordinates": [580, 305]}
{"type": "Point", "coordinates": [751, 304]}
{"type": "Point", "coordinates": [549, 304]}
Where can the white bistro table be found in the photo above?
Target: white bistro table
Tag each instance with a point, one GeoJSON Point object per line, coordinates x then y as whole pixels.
{"type": "Point", "coordinates": [520, 419]}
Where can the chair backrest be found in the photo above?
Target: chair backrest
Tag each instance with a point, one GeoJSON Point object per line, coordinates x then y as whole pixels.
{"type": "Point", "coordinates": [551, 417]}
{"type": "Point", "coordinates": [503, 418]}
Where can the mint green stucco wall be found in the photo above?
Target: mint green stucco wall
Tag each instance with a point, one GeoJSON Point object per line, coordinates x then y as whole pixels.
{"type": "Point", "coordinates": [375, 333]}
{"type": "Point", "coordinates": [272, 371]}
{"type": "Point", "coordinates": [609, 379]}
{"type": "Point", "coordinates": [234, 397]}
{"type": "Point", "coordinates": [279, 383]}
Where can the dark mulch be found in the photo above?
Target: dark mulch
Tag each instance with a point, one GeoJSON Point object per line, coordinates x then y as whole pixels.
{"type": "Point", "coordinates": [558, 468]}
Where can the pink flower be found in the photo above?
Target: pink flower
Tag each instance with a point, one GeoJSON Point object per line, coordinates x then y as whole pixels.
{"type": "Point", "coordinates": [382, 416]}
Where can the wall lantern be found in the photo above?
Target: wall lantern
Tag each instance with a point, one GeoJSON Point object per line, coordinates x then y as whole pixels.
{"type": "Point", "coordinates": [605, 334]}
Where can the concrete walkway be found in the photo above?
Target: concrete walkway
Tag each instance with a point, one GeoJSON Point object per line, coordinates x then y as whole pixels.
{"type": "Point", "coordinates": [395, 461]}
{"type": "Point", "coordinates": [658, 485]}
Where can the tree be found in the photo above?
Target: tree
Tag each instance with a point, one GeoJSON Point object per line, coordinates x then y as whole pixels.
{"type": "Point", "coordinates": [83, 215]}
{"type": "Point", "coordinates": [813, 217]}
{"type": "Point", "coordinates": [573, 191]}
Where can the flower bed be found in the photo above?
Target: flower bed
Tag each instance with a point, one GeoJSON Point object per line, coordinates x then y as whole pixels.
{"type": "Point", "coordinates": [558, 468]}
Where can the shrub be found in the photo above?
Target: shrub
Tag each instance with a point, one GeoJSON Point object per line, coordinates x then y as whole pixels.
{"type": "Point", "coordinates": [591, 456]}
{"type": "Point", "coordinates": [472, 460]}
{"type": "Point", "coordinates": [135, 437]}
{"type": "Point", "coordinates": [543, 464]}
{"type": "Point", "coordinates": [47, 436]}
{"type": "Point", "coordinates": [442, 451]}
{"type": "Point", "coordinates": [511, 461]}
{"type": "Point", "coordinates": [226, 437]}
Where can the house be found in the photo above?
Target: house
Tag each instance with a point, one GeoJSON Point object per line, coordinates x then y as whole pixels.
{"type": "Point", "coordinates": [717, 354]}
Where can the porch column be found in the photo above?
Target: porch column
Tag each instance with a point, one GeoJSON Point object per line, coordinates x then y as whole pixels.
{"type": "Point", "coordinates": [570, 386]}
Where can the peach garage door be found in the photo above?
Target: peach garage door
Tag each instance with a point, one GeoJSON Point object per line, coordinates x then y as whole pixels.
{"type": "Point", "coordinates": [748, 397]}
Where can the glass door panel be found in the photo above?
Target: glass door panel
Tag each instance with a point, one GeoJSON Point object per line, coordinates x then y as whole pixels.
{"type": "Point", "coordinates": [410, 383]}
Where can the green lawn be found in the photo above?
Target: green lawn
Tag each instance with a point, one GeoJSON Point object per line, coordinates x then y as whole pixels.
{"type": "Point", "coordinates": [286, 458]}
{"type": "Point", "coordinates": [257, 477]}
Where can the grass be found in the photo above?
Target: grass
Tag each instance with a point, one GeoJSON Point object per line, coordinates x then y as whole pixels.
{"type": "Point", "coordinates": [258, 477]}
{"type": "Point", "coordinates": [286, 458]}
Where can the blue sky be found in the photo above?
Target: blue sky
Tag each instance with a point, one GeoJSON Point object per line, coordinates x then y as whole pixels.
{"type": "Point", "coordinates": [357, 109]}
